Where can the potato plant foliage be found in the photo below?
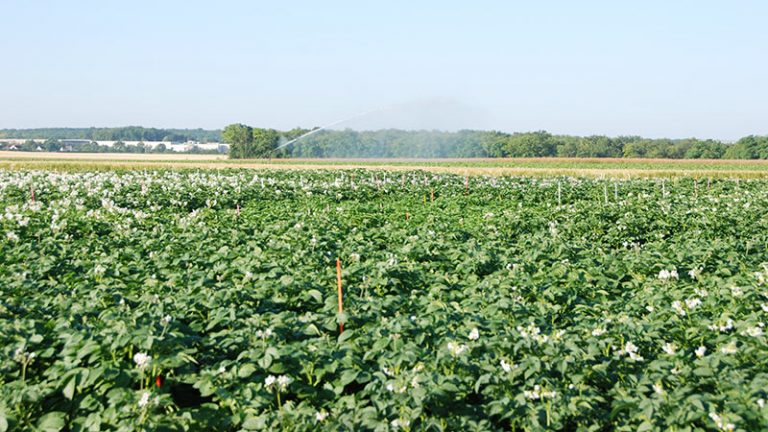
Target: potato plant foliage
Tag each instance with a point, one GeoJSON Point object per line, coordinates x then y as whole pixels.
{"type": "Point", "coordinates": [203, 300]}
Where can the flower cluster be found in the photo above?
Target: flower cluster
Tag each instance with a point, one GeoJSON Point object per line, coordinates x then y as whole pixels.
{"type": "Point", "coordinates": [755, 331]}
{"type": "Point", "coordinates": [400, 423]}
{"type": "Point", "coordinates": [723, 328]}
{"type": "Point", "coordinates": [457, 349]}
{"type": "Point", "coordinates": [700, 351]}
{"type": "Point", "coordinates": [22, 356]}
{"type": "Point", "coordinates": [538, 393]}
{"type": "Point", "coordinates": [721, 424]}
{"type": "Point", "coordinates": [506, 367]}
{"type": "Point", "coordinates": [264, 334]}
{"type": "Point", "coordinates": [668, 348]}
{"type": "Point", "coordinates": [280, 383]}
{"type": "Point", "coordinates": [682, 308]}
{"type": "Point", "coordinates": [631, 350]}
{"type": "Point", "coordinates": [144, 399]}
{"type": "Point", "coordinates": [666, 275]}
{"type": "Point", "coordinates": [142, 360]}
{"type": "Point", "coordinates": [730, 348]}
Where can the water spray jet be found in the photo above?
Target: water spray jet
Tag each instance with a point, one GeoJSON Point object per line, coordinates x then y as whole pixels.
{"type": "Point", "coordinates": [313, 131]}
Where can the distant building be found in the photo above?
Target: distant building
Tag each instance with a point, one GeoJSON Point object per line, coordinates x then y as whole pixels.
{"type": "Point", "coordinates": [194, 145]}
{"type": "Point", "coordinates": [19, 141]}
{"type": "Point", "coordinates": [70, 144]}
{"type": "Point", "coordinates": [219, 147]}
{"type": "Point", "coordinates": [73, 144]}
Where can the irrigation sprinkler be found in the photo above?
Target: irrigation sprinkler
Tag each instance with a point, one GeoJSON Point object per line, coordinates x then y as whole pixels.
{"type": "Point", "coordinates": [316, 130]}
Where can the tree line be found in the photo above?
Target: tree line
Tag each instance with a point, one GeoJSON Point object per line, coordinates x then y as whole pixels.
{"type": "Point", "coordinates": [249, 142]}
{"type": "Point", "coordinates": [128, 133]}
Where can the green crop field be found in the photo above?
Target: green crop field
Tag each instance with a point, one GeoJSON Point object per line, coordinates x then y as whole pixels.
{"type": "Point", "coordinates": [209, 300]}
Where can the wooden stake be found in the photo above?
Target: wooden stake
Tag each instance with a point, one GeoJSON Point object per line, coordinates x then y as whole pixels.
{"type": "Point", "coordinates": [432, 195]}
{"type": "Point", "coordinates": [407, 216]}
{"type": "Point", "coordinates": [32, 193]}
{"type": "Point", "coordinates": [338, 285]}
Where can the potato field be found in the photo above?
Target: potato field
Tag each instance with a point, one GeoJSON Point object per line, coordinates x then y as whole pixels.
{"type": "Point", "coordinates": [208, 300]}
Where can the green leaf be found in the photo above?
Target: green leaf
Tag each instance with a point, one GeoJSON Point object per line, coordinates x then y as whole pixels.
{"type": "Point", "coordinates": [52, 421]}
{"type": "Point", "coordinates": [380, 344]}
{"type": "Point", "coordinates": [265, 361]}
{"type": "Point", "coordinates": [645, 426]}
{"type": "Point", "coordinates": [254, 423]}
{"type": "Point", "coordinates": [315, 294]}
{"type": "Point", "coordinates": [347, 377]}
{"type": "Point", "coordinates": [246, 371]}
{"type": "Point", "coordinates": [69, 389]}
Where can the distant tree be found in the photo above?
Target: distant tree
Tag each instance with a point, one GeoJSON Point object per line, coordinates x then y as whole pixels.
{"type": "Point", "coordinates": [264, 142]}
{"type": "Point", "coordinates": [240, 139]}
{"type": "Point", "coordinates": [129, 133]}
{"type": "Point", "coordinates": [745, 148]}
{"type": "Point", "coordinates": [51, 145]}
{"type": "Point", "coordinates": [531, 144]}
{"type": "Point", "coordinates": [28, 145]}
{"type": "Point", "coordinates": [707, 149]}
{"type": "Point", "coordinates": [749, 147]}
{"type": "Point", "coordinates": [494, 144]}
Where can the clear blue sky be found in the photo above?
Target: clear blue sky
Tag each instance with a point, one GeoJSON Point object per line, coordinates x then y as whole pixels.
{"type": "Point", "coordinates": [653, 68]}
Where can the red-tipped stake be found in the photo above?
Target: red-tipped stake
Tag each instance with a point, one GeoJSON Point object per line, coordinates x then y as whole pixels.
{"type": "Point", "coordinates": [32, 193]}
{"type": "Point", "coordinates": [338, 286]}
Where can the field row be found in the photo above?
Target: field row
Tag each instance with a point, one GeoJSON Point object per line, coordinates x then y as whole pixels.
{"type": "Point", "coordinates": [541, 167]}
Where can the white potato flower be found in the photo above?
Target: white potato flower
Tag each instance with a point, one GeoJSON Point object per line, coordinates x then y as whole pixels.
{"type": "Point", "coordinates": [142, 360]}
{"type": "Point", "coordinates": [700, 351]}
